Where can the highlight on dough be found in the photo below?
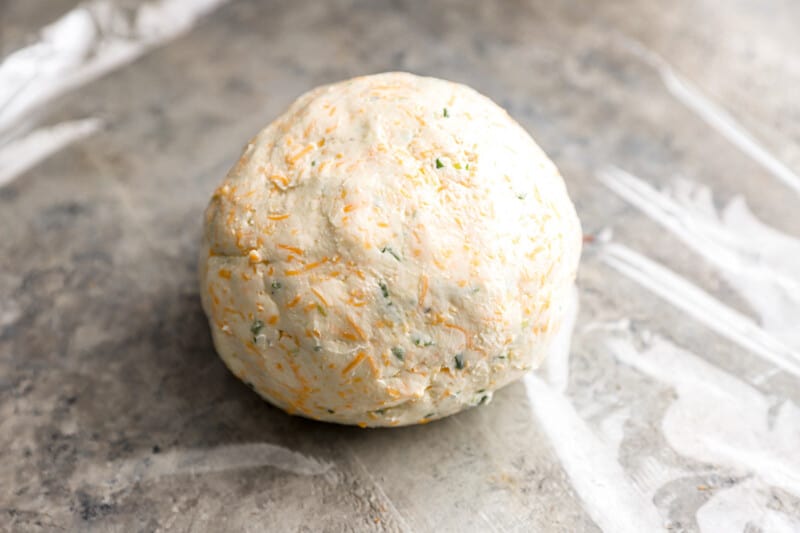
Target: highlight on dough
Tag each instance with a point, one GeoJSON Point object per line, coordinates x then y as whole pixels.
{"type": "Point", "coordinates": [390, 251]}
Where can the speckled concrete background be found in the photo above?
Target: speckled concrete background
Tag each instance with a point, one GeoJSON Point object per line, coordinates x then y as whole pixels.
{"type": "Point", "coordinates": [116, 414]}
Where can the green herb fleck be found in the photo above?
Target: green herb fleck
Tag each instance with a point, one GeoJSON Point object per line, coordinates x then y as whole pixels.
{"type": "Point", "coordinates": [276, 286]}
{"type": "Point", "coordinates": [460, 361]}
{"type": "Point", "coordinates": [439, 164]}
{"type": "Point", "coordinates": [481, 390]}
{"type": "Point", "coordinates": [255, 328]}
{"type": "Point", "coordinates": [399, 352]}
{"type": "Point", "coordinates": [379, 411]}
{"type": "Point", "coordinates": [387, 249]}
{"type": "Point", "coordinates": [318, 348]}
{"type": "Point", "coordinates": [321, 310]}
{"type": "Point", "coordinates": [467, 167]}
{"type": "Point", "coordinates": [331, 411]}
{"type": "Point", "coordinates": [522, 195]}
{"type": "Point", "coordinates": [445, 113]}
{"type": "Point", "coordinates": [384, 289]}
{"type": "Point", "coordinates": [313, 163]}
{"type": "Point", "coordinates": [429, 415]}
{"type": "Point", "coordinates": [483, 399]}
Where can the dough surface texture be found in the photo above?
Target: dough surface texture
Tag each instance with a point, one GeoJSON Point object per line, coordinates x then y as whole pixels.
{"type": "Point", "coordinates": [389, 251]}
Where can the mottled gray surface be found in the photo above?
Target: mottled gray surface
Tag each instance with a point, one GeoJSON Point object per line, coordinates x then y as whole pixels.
{"type": "Point", "coordinates": [106, 361]}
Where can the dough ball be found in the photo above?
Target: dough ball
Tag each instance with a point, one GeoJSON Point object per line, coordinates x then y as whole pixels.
{"type": "Point", "coordinates": [390, 251]}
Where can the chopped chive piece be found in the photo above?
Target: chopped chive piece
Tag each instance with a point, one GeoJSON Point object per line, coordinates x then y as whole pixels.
{"type": "Point", "coordinates": [384, 289]}
{"type": "Point", "coordinates": [317, 348]}
{"type": "Point", "coordinates": [255, 328]}
{"type": "Point", "coordinates": [460, 361]}
{"type": "Point", "coordinates": [387, 249]}
{"type": "Point", "coordinates": [429, 415]}
{"type": "Point", "coordinates": [399, 352]}
{"type": "Point", "coordinates": [379, 411]}
{"type": "Point", "coordinates": [276, 285]}
{"type": "Point", "coordinates": [331, 411]}
{"type": "Point", "coordinates": [483, 399]}
{"type": "Point", "coordinates": [321, 310]}
{"type": "Point", "coordinates": [438, 163]}
{"type": "Point", "coordinates": [467, 167]}
{"type": "Point", "coordinates": [419, 342]}
{"type": "Point", "coordinates": [522, 195]}
{"type": "Point", "coordinates": [313, 163]}
{"type": "Point", "coordinates": [445, 113]}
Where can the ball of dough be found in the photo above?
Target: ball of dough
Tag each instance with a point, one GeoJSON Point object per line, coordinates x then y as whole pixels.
{"type": "Point", "coordinates": [390, 251]}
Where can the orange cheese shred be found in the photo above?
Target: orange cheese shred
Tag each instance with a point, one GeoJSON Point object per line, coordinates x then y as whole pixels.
{"type": "Point", "coordinates": [355, 362]}
{"type": "Point", "coordinates": [356, 328]}
{"type": "Point", "coordinates": [319, 295]}
{"type": "Point", "coordinates": [292, 159]}
{"type": "Point", "coordinates": [292, 249]}
{"type": "Point", "coordinates": [467, 336]}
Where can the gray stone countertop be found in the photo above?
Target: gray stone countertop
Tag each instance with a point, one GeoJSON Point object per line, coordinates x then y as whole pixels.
{"type": "Point", "coordinates": [677, 129]}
